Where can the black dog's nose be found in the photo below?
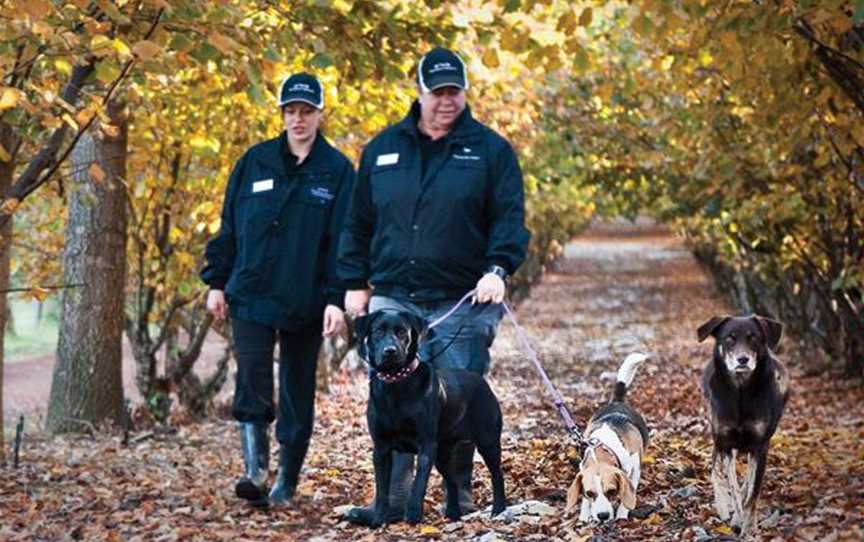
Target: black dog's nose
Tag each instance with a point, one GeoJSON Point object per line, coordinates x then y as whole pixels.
{"type": "Point", "coordinates": [743, 360]}
{"type": "Point", "coordinates": [389, 351]}
{"type": "Point", "coordinates": [603, 516]}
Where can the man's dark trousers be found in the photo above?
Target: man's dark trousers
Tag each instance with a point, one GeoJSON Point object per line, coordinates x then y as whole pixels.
{"type": "Point", "coordinates": [253, 397]}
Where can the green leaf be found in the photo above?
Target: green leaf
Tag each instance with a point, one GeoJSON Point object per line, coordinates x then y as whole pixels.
{"type": "Point", "coordinates": [256, 95]}
{"type": "Point", "coordinates": [321, 61]}
{"type": "Point", "coordinates": [205, 52]}
{"type": "Point", "coordinates": [511, 6]}
{"type": "Point", "coordinates": [107, 71]}
{"type": "Point", "coordinates": [858, 18]}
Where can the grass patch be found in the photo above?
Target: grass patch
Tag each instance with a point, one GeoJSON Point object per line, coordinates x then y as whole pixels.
{"type": "Point", "coordinates": [34, 336]}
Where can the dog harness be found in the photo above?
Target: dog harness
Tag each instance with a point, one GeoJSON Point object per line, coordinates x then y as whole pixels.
{"type": "Point", "coordinates": [607, 438]}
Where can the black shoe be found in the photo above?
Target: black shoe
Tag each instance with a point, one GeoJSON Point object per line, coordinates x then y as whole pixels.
{"type": "Point", "coordinates": [365, 515]}
{"type": "Point", "coordinates": [286, 480]}
{"type": "Point", "coordinates": [252, 486]}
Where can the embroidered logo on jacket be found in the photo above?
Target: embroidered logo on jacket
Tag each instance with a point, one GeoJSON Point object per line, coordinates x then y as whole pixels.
{"type": "Point", "coordinates": [322, 192]}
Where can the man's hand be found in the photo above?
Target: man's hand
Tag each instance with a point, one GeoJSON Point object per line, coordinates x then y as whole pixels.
{"type": "Point", "coordinates": [334, 321]}
{"type": "Point", "coordinates": [216, 304]}
{"type": "Point", "coordinates": [357, 301]}
{"type": "Point", "coordinates": [490, 287]}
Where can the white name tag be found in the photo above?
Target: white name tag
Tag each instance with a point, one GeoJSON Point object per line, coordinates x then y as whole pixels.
{"type": "Point", "coordinates": [387, 159]}
{"type": "Point", "coordinates": [261, 186]}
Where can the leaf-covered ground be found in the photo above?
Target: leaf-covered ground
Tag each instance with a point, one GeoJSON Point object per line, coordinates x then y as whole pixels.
{"type": "Point", "coordinates": [617, 291]}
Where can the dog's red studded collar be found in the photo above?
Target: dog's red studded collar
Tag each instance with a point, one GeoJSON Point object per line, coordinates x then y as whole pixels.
{"type": "Point", "coordinates": [401, 374]}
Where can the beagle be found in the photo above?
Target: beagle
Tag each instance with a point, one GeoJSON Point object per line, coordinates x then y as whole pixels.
{"type": "Point", "coordinates": [611, 465]}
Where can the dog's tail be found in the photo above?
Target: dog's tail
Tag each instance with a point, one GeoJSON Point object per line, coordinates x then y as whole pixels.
{"type": "Point", "coordinates": [625, 375]}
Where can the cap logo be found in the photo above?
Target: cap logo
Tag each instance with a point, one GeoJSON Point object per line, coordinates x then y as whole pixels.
{"type": "Point", "coordinates": [302, 87]}
{"type": "Point", "coordinates": [442, 67]}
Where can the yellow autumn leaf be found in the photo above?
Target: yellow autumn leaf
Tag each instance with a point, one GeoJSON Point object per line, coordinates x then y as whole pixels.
{"type": "Point", "coordinates": [9, 98]}
{"type": "Point", "coordinates": [490, 58]}
{"type": "Point", "coordinates": [100, 44]}
{"type": "Point", "coordinates": [586, 17]}
{"type": "Point", "coordinates": [214, 226]}
{"type": "Point", "coordinates": [9, 206]}
{"type": "Point", "coordinates": [724, 529]}
{"type": "Point", "coordinates": [567, 22]}
{"type": "Point", "coordinates": [858, 134]}
{"type": "Point", "coordinates": [39, 294]}
{"type": "Point", "coordinates": [63, 66]}
{"type": "Point", "coordinates": [4, 154]}
{"type": "Point", "coordinates": [429, 530]}
{"type": "Point", "coordinates": [146, 49]}
{"type": "Point", "coordinates": [121, 48]}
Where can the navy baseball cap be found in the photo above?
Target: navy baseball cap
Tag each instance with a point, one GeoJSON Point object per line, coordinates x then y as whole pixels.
{"type": "Point", "coordinates": [441, 67]}
{"type": "Point", "coordinates": [301, 87]}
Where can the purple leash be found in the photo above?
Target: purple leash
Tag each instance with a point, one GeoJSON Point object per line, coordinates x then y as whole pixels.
{"type": "Point", "coordinates": [449, 313]}
{"type": "Point", "coordinates": [556, 396]}
{"type": "Point", "coordinates": [557, 399]}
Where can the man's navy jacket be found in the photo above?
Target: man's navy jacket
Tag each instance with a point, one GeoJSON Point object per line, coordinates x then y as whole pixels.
{"type": "Point", "coordinates": [431, 238]}
{"type": "Point", "coordinates": [275, 254]}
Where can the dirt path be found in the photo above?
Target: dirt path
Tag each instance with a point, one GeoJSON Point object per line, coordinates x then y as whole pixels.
{"type": "Point", "coordinates": [28, 380]}
{"type": "Point", "coordinates": [618, 290]}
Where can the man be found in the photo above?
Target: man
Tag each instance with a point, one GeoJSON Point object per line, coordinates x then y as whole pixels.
{"type": "Point", "coordinates": [438, 209]}
{"type": "Point", "coordinates": [272, 266]}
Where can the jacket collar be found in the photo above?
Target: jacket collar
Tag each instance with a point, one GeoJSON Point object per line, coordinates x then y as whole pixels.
{"type": "Point", "coordinates": [464, 126]}
{"type": "Point", "coordinates": [272, 151]}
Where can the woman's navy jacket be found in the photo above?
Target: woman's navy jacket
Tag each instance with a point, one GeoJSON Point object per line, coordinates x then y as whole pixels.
{"type": "Point", "coordinates": [275, 254]}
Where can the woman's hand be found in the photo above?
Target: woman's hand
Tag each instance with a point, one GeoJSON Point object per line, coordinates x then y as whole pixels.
{"type": "Point", "coordinates": [334, 321]}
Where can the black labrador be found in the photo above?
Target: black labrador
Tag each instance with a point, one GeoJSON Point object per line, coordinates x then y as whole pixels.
{"type": "Point", "coordinates": [746, 388]}
{"type": "Point", "coordinates": [415, 408]}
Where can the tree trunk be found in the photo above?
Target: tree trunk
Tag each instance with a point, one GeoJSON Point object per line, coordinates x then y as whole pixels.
{"type": "Point", "coordinates": [9, 141]}
{"type": "Point", "coordinates": [6, 171]}
{"type": "Point", "coordinates": [88, 381]}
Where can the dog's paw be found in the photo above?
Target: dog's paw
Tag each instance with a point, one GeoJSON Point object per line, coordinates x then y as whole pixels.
{"type": "Point", "coordinates": [497, 508]}
{"type": "Point", "coordinates": [379, 519]}
{"type": "Point", "coordinates": [452, 513]}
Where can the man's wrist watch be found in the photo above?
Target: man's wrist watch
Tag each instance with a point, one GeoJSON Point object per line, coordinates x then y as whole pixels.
{"type": "Point", "coordinates": [497, 270]}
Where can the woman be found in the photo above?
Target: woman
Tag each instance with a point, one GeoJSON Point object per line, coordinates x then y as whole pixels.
{"type": "Point", "coordinates": [272, 268]}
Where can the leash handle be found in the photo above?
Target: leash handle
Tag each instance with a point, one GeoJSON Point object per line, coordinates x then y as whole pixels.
{"type": "Point", "coordinates": [557, 399]}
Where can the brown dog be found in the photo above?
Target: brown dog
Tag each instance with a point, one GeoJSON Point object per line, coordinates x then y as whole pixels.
{"type": "Point", "coordinates": [746, 388]}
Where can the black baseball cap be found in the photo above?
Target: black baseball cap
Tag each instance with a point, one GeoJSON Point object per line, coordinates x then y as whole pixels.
{"type": "Point", "coordinates": [301, 87]}
{"type": "Point", "coordinates": [441, 67]}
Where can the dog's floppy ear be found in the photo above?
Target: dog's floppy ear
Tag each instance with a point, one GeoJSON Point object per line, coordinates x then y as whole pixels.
{"type": "Point", "coordinates": [362, 325]}
{"type": "Point", "coordinates": [772, 329]}
{"type": "Point", "coordinates": [573, 495]}
{"type": "Point", "coordinates": [626, 491]}
{"type": "Point", "coordinates": [418, 324]}
{"type": "Point", "coordinates": [709, 327]}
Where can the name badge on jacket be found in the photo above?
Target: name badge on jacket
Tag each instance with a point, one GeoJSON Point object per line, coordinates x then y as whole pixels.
{"type": "Point", "coordinates": [262, 186]}
{"type": "Point", "coordinates": [387, 159]}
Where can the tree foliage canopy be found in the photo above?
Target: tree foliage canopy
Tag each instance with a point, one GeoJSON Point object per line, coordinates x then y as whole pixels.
{"type": "Point", "coordinates": [740, 122]}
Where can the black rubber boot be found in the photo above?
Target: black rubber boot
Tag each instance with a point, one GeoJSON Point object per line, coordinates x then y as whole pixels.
{"type": "Point", "coordinates": [256, 457]}
{"type": "Point", "coordinates": [401, 478]}
{"type": "Point", "coordinates": [462, 467]}
{"type": "Point", "coordinates": [286, 479]}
